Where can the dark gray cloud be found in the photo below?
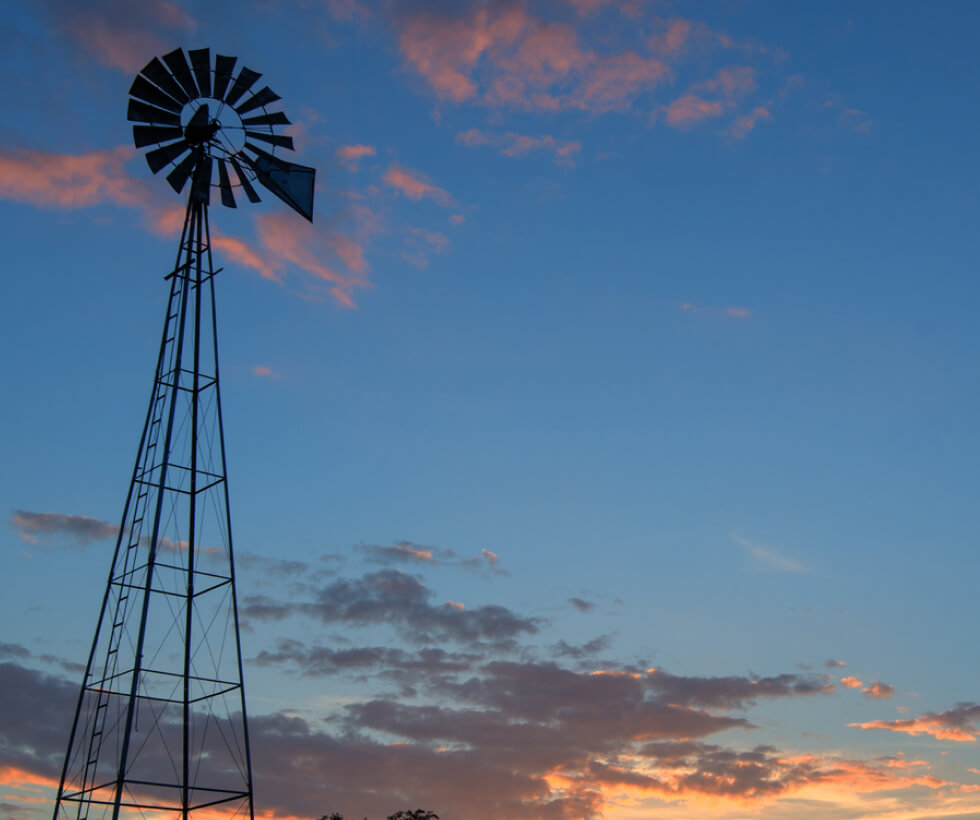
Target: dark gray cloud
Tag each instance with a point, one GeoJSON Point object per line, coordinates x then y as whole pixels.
{"type": "Point", "coordinates": [401, 601]}
{"type": "Point", "coordinates": [81, 529]}
{"type": "Point", "coordinates": [581, 604]}
{"type": "Point", "coordinates": [321, 660]}
{"type": "Point", "coordinates": [733, 691]}
{"type": "Point", "coordinates": [585, 651]}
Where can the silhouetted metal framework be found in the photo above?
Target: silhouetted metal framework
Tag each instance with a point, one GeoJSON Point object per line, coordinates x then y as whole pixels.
{"type": "Point", "coordinates": [160, 728]}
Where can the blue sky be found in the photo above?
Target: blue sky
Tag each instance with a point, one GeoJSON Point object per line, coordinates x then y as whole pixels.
{"type": "Point", "coordinates": [652, 323]}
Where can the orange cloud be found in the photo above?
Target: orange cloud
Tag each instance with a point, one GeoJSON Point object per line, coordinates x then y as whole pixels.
{"type": "Point", "coordinates": [851, 682]}
{"type": "Point", "coordinates": [265, 372]}
{"type": "Point", "coordinates": [958, 724]}
{"type": "Point", "coordinates": [413, 185]}
{"type": "Point", "coordinates": [879, 690]}
{"type": "Point", "coordinates": [514, 145]}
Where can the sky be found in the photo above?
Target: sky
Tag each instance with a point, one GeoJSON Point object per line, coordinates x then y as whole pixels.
{"type": "Point", "coordinates": [605, 448]}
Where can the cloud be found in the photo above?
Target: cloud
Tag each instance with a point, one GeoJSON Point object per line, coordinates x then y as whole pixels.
{"type": "Point", "coordinates": [960, 724]}
{"type": "Point", "coordinates": [120, 34]}
{"type": "Point", "coordinates": [457, 219]}
{"type": "Point", "coordinates": [856, 120]}
{"type": "Point", "coordinates": [87, 180]}
{"type": "Point", "coordinates": [730, 311]}
{"type": "Point", "coordinates": [81, 529]}
{"type": "Point", "coordinates": [415, 186]}
{"type": "Point", "coordinates": [830, 663]}
{"type": "Point", "coordinates": [769, 557]}
{"type": "Point", "coordinates": [851, 682]}
{"type": "Point", "coordinates": [406, 552]}
{"type": "Point", "coordinates": [70, 180]}
{"type": "Point", "coordinates": [503, 55]}
{"type": "Point", "coordinates": [350, 155]}
{"type": "Point", "coordinates": [744, 125]}
{"type": "Point", "coordinates": [512, 144]}
{"type": "Point", "coordinates": [733, 691]}
{"type": "Point", "coordinates": [690, 110]}
{"type": "Point", "coordinates": [401, 601]}
{"type": "Point", "coordinates": [582, 605]}
{"type": "Point", "coordinates": [879, 690]}
{"type": "Point", "coordinates": [264, 372]}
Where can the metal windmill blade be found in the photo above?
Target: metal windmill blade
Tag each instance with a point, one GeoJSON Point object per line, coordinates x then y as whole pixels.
{"type": "Point", "coordinates": [199, 118]}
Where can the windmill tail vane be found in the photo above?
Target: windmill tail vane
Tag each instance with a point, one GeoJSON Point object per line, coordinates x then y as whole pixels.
{"type": "Point", "coordinates": [160, 727]}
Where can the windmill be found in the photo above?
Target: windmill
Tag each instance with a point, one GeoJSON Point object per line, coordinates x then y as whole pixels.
{"type": "Point", "coordinates": [160, 726]}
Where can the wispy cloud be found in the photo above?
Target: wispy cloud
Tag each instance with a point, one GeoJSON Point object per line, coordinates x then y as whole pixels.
{"type": "Point", "coordinates": [351, 155]}
{"type": "Point", "coordinates": [81, 529]}
{"type": "Point", "coordinates": [511, 144]}
{"type": "Point", "coordinates": [960, 724]}
{"type": "Point", "coordinates": [731, 311]}
{"type": "Point", "coordinates": [414, 185]}
{"type": "Point", "coordinates": [768, 556]}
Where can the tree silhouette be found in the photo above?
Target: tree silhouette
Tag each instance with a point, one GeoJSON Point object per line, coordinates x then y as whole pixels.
{"type": "Point", "coordinates": [417, 814]}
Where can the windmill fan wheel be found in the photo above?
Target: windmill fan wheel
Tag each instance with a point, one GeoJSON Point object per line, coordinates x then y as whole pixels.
{"type": "Point", "coordinates": [203, 121]}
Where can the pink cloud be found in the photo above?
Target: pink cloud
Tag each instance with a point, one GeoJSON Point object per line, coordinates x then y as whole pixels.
{"type": "Point", "coordinates": [421, 243]}
{"type": "Point", "coordinates": [413, 185]}
{"type": "Point", "coordinates": [734, 312]}
{"type": "Point", "coordinates": [457, 219]}
{"type": "Point", "coordinates": [744, 125]}
{"type": "Point", "coordinates": [732, 82]}
{"type": "Point", "coordinates": [856, 120]}
{"type": "Point", "coordinates": [506, 56]}
{"type": "Point", "coordinates": [70, 180]}
{"type": "Point", "coordinates": [350, 155]}
{"type": "Point", "coordinates": [264, 372]}
{"type": "Point", "coordinates": [125, 35]}
{"type": "Point", "coordinates": [851, 682]}
{"type": "Point", "coordinates": [960, 724]}
{"type": "Point", "coordinates": [672, 39]}
{"type": "Point", "coordinates": [689, 110]}
{"type": "Point", "coordinates": [516, 145]}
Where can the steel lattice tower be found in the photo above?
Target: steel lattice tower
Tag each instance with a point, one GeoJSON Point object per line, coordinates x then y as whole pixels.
{"type": "Point", "coordinates": [160, 728]}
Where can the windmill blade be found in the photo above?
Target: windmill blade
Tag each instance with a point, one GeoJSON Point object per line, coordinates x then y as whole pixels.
{"type": "Point", "coordinates": [179, 175]}
{"type": "Point", "coordinates": [163, 156]}
{"type": "Point", "coordinates": [144, 135]}
{"type": "Point", "coordinates": [223, 67]}
{"type": "Point", "coordinates": [292, 183]}
{"type": "Point", "coordinates": [246, 79]}
{"type": "Point", "coordinates": [181, 71]}
{"type": "Point", "coordinates": [157, 72]}
{"type": "Point", "coordinates": [272, 139]}
{"type": "Point", "coordinates": [224, 183]}
{"type": "Point", "coordinates": [201, 186]}
{"type": "Point", "coordinates": [141, 112]}
{"type": "Point", "coordinates": [278, 118]}
{"type": "Point", "coordinates": [250, 192]}
{"type": "Point", "coordinates": [201, 60]}
{"type": "Point", "coordinates": [263, 97]}
{"type": "Point", "coordinates": [145, 90]}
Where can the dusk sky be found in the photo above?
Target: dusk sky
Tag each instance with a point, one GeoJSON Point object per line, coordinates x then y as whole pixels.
{"type": "Point", "coordinates": [605, 448]}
